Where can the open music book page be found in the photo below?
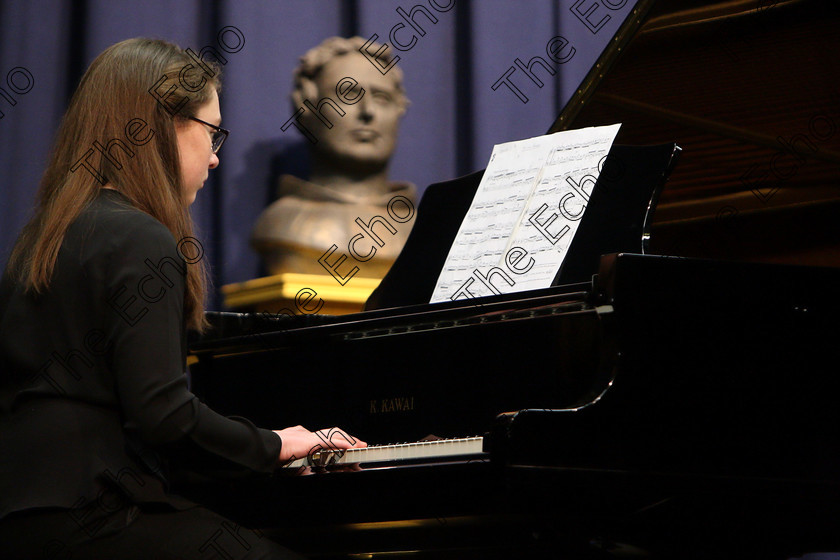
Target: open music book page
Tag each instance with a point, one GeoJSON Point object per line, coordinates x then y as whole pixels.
{"type": "Point", "coordinates": [524, 214]}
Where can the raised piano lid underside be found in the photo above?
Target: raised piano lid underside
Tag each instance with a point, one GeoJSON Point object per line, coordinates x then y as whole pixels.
{"type": "Point", "coordinates": [726, 80]}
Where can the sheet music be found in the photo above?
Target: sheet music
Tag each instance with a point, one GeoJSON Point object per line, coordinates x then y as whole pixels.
{"type": "Point", "coordinates": [524, 214]}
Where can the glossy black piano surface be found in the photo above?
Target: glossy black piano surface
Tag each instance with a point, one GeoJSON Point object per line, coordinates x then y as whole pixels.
{"type": "Point", "coordinates": [405, 369]}
{"type": "Point", "coordinates": [400, 376]}
{"type": "Point", "coordinates": [684, 394]}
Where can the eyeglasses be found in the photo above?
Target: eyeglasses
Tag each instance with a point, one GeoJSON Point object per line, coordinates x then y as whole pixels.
{"type": "Point", "coordinates": [218, 137]}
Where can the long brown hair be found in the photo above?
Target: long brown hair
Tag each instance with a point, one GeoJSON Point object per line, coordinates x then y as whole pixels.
{"type": "Point", "coordinates": [113, 92]}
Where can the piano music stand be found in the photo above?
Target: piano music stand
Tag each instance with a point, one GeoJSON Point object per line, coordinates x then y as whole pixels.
{"type": "Point", "coordinates": [617, 219]}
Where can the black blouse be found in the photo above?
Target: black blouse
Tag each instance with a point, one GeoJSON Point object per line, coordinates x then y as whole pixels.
{"type": "Point", "coordinates": [93, 391]}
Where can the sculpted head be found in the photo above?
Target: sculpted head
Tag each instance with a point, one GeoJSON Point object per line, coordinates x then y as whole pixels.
{"type": "Point", "coordinates": [365, 137]}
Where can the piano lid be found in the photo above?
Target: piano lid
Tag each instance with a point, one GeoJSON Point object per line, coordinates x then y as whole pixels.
{"type": "Point", "coordinates": [750, 89]}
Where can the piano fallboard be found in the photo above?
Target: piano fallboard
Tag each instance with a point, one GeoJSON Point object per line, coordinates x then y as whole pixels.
{"type": "Point", "coordinates": [442, 370]}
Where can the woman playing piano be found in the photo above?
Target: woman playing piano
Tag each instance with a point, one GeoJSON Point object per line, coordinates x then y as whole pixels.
{"type": "Point", "coordinates": [95, 413]}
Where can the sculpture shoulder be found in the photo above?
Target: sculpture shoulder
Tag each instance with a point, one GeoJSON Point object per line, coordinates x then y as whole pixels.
{"type": "Point", "coordinates": [318, 216]}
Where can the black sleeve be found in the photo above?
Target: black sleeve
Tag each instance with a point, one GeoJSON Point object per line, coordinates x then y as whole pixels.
{"type": "Point", "coordinates": [145, 291]}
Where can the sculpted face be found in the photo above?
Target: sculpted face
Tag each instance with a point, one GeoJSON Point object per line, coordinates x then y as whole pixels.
{"type": "Point", "coordinates": [367, 134]}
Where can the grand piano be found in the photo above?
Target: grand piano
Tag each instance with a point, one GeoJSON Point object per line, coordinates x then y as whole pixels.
{"type": "Point", "coordinates": [672, 395]}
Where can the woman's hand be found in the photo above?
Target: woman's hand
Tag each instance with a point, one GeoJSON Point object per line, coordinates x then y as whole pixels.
{"type": "Point", "coordinates": [298, 442]}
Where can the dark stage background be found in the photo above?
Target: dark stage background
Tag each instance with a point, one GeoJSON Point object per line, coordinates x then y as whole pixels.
{"type": "Point", "coordinates": [454, 119]}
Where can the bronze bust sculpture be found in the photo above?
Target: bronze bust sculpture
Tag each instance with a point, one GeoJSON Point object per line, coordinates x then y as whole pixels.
{"type": "Point", "coordinates": [349, 111]}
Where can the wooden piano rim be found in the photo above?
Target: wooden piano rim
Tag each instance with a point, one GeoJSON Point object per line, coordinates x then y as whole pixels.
{"type": "Point", "coordinates": [708, 14]}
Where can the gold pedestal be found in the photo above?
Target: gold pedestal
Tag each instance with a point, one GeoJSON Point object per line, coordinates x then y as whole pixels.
{"type": "Point", "coordinates": [275, 293]}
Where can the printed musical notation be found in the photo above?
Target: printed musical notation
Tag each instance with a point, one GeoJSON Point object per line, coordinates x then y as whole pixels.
{"type": "Point", "coordinates": [524, 214]}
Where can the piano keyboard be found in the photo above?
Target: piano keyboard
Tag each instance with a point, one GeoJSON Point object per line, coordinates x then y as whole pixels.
{"type": "Point", "coordinates": [397, 452]}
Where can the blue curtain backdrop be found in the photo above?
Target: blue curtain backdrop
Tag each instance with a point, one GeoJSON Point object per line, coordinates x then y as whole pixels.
{"type": "Point", "coordinates": [455, 117]}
